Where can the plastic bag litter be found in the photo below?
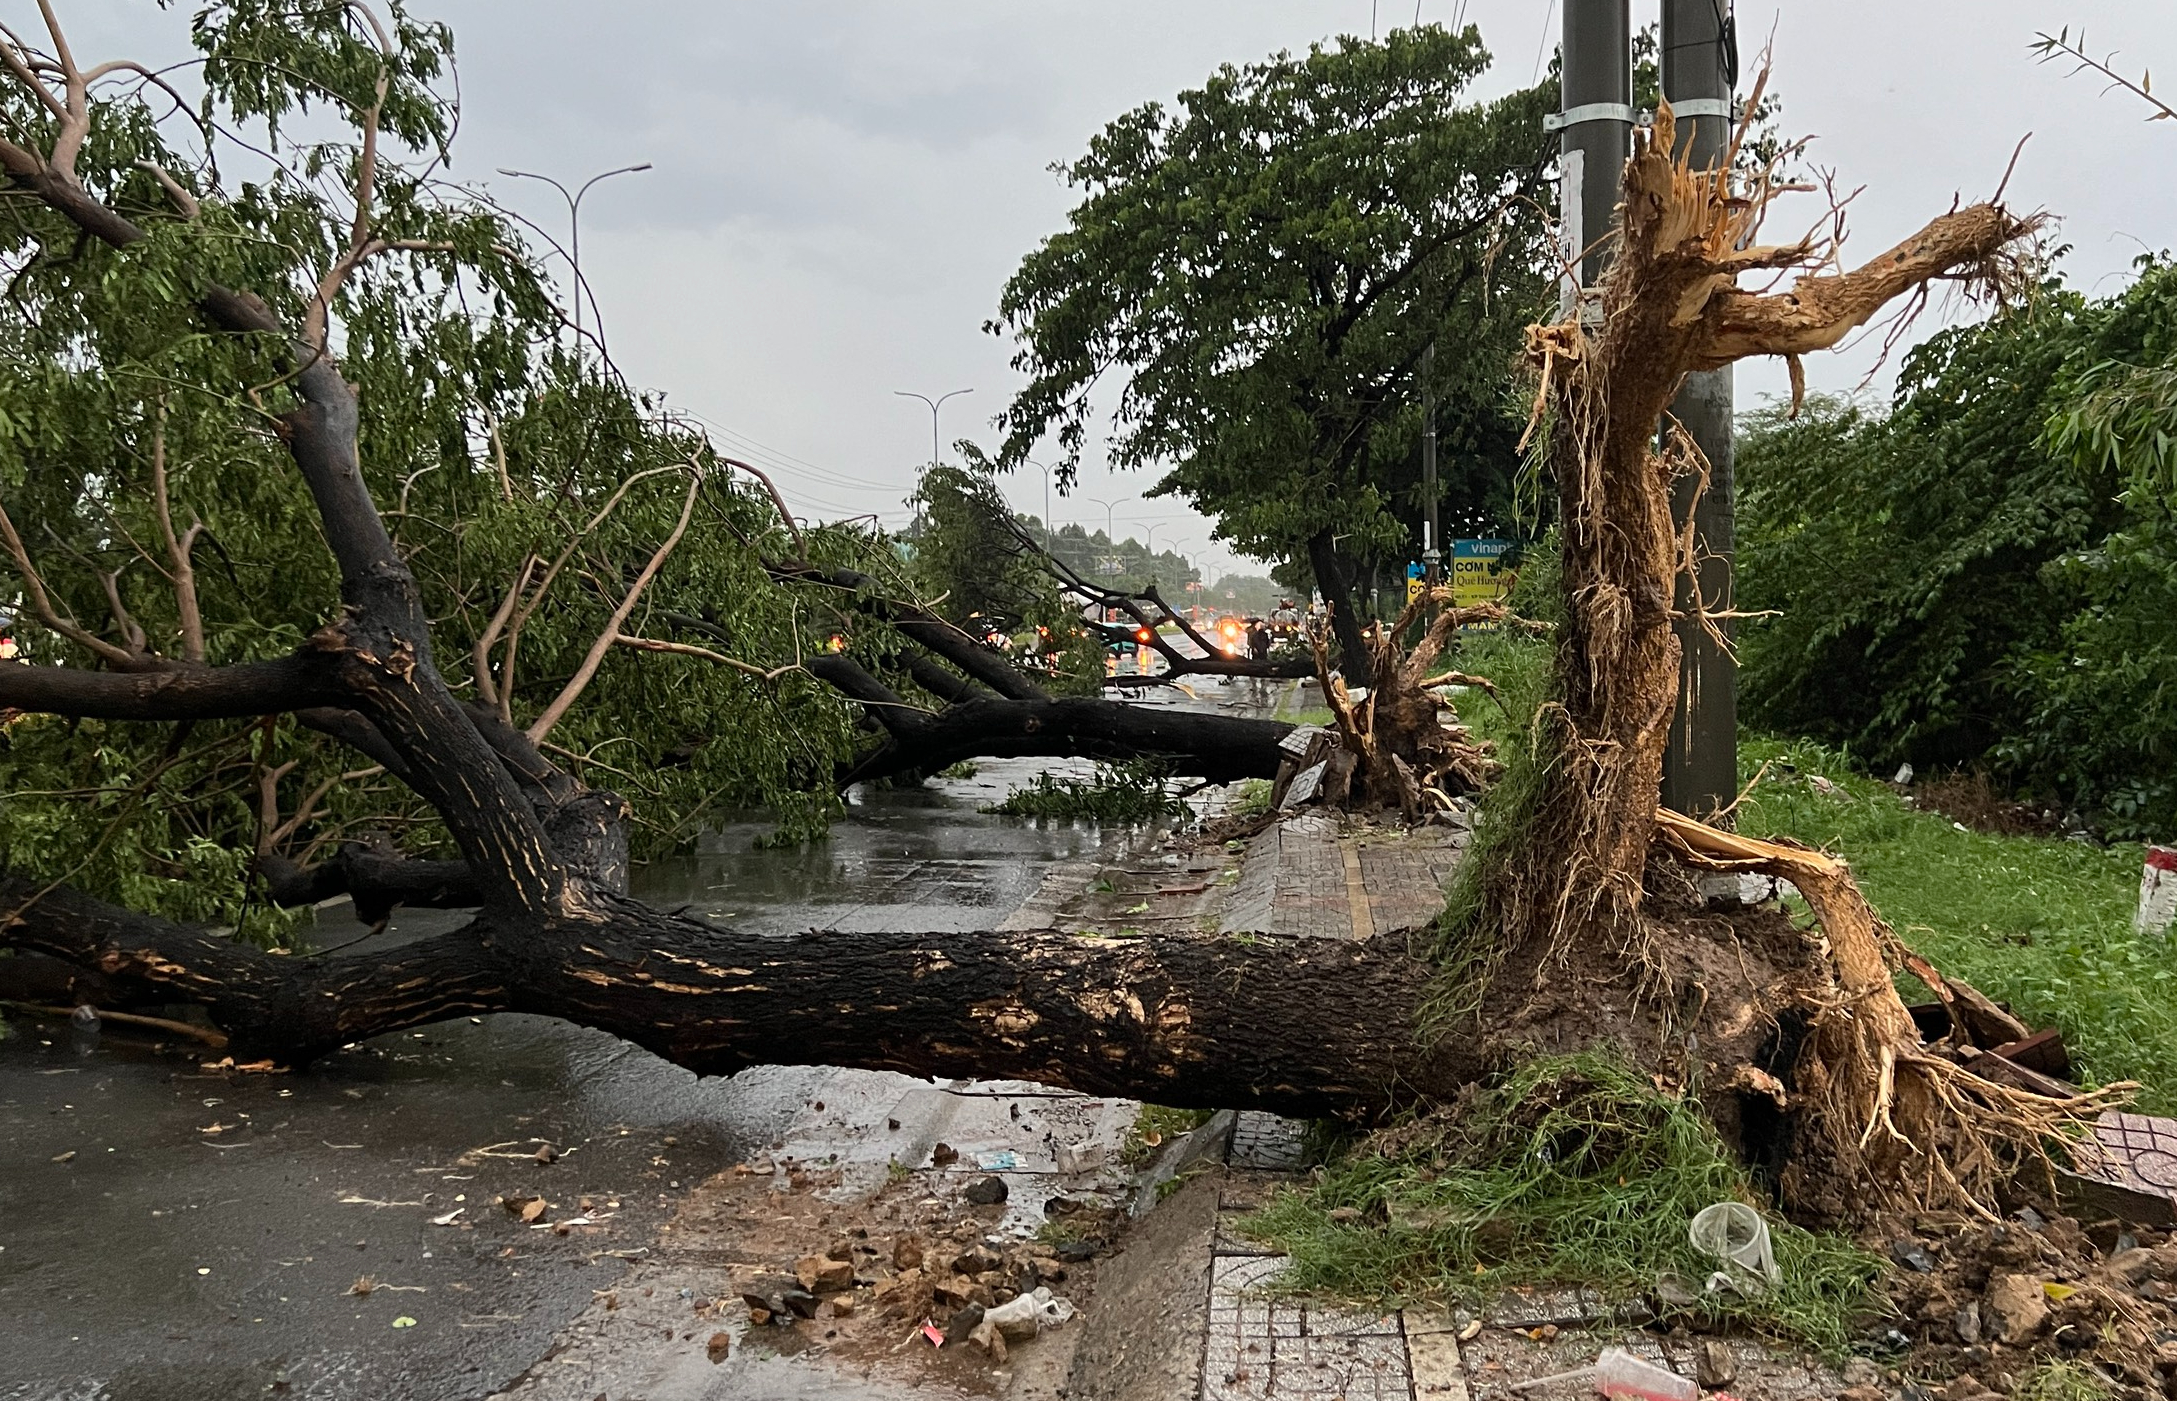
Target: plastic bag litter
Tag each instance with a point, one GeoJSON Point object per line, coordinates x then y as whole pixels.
{"type": "Point", "coordinates": [1030, 1314]}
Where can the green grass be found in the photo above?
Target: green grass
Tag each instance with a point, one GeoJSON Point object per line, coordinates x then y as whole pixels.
{"type": "Point", "coordinates": [1253, 799]}
{"type": "Point", "coordinates": [2061, 1381]}
{"type": "Point", "coordinates": [1314, 715]}
{"type": "Point", "coordinates": [1572, 1170]}
{"type": "Point", "coordinates": [964, 769]}
{"type": "Point", "coordinates": [1155, 1126]}
{"type": "Point", "coordinates": [2040, 923]}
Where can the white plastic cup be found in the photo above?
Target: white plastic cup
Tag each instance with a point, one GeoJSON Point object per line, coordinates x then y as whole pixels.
{"type": "Point", "coordinates": [1736, 1234]}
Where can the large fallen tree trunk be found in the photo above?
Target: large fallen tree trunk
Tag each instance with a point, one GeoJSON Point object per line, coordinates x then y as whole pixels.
{"type": "Point", "coordinates": [1303, 1027]}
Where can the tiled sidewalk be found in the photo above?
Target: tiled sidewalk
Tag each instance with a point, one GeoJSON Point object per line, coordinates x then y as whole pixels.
{"type": "Point", "coordinates": [1257, 1347]}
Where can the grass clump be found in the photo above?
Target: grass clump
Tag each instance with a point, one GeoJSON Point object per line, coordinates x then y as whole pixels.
{"type": "Point", "coordinates": [2062, 1381]}
{"type": "Point", "coordinates": [1253, 799]}
{"type": "Point", "coordinates": [1121, 793]}
{"type": "Point", "coordinates": [1572, 1170]}
{"type": "Point", "coordinates": [1155, 1126]}
{"type": "Point", "coordinates": [964, 769]}
{"type": "Point", "coordinates": [2040, 923]}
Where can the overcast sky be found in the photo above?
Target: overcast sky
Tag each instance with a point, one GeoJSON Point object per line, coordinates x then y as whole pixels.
{"type": "Point", "coordinates": [841, 189]}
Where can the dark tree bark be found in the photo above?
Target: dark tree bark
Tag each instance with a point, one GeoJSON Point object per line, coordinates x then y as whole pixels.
{"type": "Point", "coordinates": [1302, 1027]}
{"type": "Point", "coordinates": [1336, 587]}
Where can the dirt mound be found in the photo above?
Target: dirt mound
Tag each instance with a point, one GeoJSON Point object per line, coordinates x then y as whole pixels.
{"type": "Point", "coordinates": [1971, 800]}
{"type": "Point", "coordinates": [2003, 1307]}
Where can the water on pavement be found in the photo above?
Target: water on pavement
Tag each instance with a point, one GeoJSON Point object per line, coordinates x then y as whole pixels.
{"type": "Point", "coordinates": [169, 1233]}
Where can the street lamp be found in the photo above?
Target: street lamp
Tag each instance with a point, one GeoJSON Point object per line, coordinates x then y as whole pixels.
{"type": "Point", "coordinates": [1048, 528]}
{"type": "Point", "coordinates": [574, 224]}
{"type": "Point", "coordinates": [934, 406]}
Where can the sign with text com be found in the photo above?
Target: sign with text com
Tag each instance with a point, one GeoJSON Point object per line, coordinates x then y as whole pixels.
{"type": "Point", "coordinates": [1478, 575]}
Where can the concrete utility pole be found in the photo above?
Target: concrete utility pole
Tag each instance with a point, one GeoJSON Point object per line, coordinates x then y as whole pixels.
{"type": "Point", "coordinates": [1432, 533]}
{"type": "Point", "coordinates": [1700, 769]}
{"type": "Point", "coordinates": [1596, 126]}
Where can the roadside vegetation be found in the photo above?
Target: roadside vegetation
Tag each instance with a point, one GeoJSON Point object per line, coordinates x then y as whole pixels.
{"type": "Point", "coordinates": [1573, 1170]}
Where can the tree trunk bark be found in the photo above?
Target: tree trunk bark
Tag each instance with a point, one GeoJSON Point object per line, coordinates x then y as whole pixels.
{"type": "Point", "coordinates": [1337, 589]}
{"type": "Point", "coordinates": [1193, 743]}
{"type": "Point", "coordinates": [1301, 1027]}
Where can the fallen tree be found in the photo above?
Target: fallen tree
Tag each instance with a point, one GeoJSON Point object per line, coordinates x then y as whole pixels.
{"type": "Point", "coordinates": [1570, 952]}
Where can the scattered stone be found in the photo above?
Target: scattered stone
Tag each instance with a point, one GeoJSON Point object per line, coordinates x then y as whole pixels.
{"type": "Point", "coordinates": [841, 1249]}
{"type": "Point", "coordinates": [719, 1347]}
{"type": "Point", "coordinates": [823, 1275]}
{"type": "Point", "coordinates": [1858, 1371]}
{"type": "Point", "coordinates": [964, 1321]}
{"type": "Point", "coordinates": [976, 1260]}
{"type": "Point", "coordinates": [986, 1336]}
{"type": "Point", "coordinates": [942, 1154]}
{"type": "Point", "coordinates": [906, 1253]}
{"type": "Point", "coordinates": [843, 1306]}
{"type": "Point", "coordinates": [801, 1303]}
{"type": "Point", "coordinates": [1048, 1270]}
{"type": "Point", "coordinates": [986, 1191]}
{"type": "Point", "coordinates": [2015, 1306]}
{"type": "Point", "coordinates": [1471, 1331]}
{"type": "Point", "coordinates": [1345, 1215]}
{"type": "Point", "coordinates": [547, 1154]}
{"type": "Point", "coordinates": [953, 1293]}
{"type": "Point", "coordinates": [1907, 1252]}
{"type": "Point", "coordinates": [1075, 1252]}
{"type": "Point", "coordinates": [1967, 1323]}
{"type": "Point", "coordinates": [1714, 1364]}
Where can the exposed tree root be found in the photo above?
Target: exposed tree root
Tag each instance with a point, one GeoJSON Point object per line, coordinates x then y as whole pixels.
{"type": "Point", "coordinates": [1912, 1124]}
{"type": "Point", "coordinates": [1404, 756]}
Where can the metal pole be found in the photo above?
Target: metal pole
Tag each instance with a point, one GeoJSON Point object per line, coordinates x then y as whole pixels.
{"type": "Point", "coordinates": [1432, 534]}
{"type": "Point", "coordinates": [935, 404]}
{"type": "Point", "coordinates": [574, 222]}
{"type": "Point", "coordinates": [1700, 768]}
{"type": "Point", "coordinates": [1597, 134]}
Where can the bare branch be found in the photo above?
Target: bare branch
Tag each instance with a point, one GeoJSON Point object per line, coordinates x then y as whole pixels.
{"type": "Point", "coordinates": [685, 649]}
{"type": "Point", "coordinates": [584, 673]}
{"type": "Point", "coordinates": [489, 637]}
{"type": "Point", "coordinates": [42, 605]}
{"type": "Point", "coordinates": [178, 547]}
{"type": "Point", "coordinates": [801, 548]}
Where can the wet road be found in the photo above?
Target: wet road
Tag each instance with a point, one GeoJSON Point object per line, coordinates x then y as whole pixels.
{"type": "Point", "coordinates": [169, 1233]}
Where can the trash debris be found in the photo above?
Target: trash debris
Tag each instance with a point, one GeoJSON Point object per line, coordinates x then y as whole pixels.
{"type": "Point", "coordinates": [1736, 1234]}
{"type": "Point", "coordinates": [527, 1208]}
{"type": "Point", "coordinates": [1903, 777]}
{"type": "Point", "coordinates": [1619, 1373]}
{"type": "Point", "coordinates": [66, 1157]}
{"type": "Point", "coordinates": [929, 1330]}
{"type": "Point", "coordinates": [404, 1321]}
{"type": "Point", "coordinates": [450, 1218]}
{"type": "Point", "coordinates": [1030, 1314]}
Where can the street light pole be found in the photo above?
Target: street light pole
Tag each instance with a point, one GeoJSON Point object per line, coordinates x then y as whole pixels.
{"type": "Point", "coordinates": [934, 404]}
{"type": "Point", "coordinates": [574, 223]}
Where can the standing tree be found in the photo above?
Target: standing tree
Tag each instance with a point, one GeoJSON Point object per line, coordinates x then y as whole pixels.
{"type": "Point", "coordinates": [1264, 268]}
